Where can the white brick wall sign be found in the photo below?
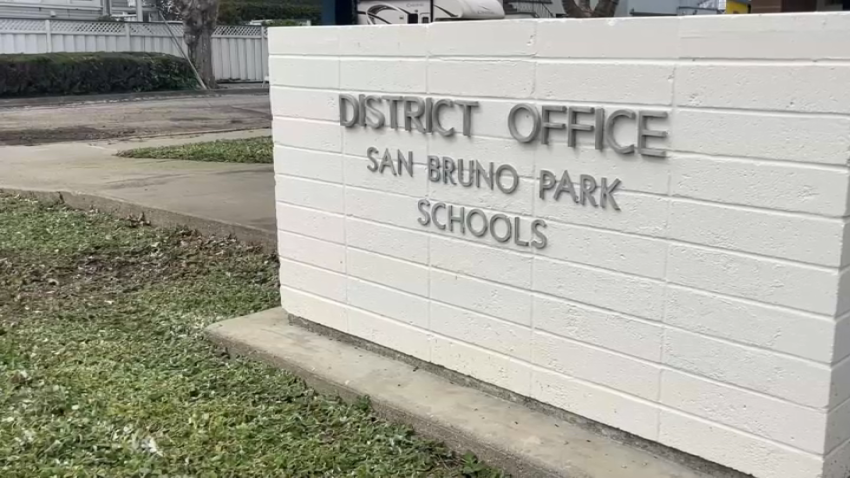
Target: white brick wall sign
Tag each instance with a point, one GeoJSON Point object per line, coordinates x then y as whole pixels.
{"type": "Point", "coordinates": [640, 221]}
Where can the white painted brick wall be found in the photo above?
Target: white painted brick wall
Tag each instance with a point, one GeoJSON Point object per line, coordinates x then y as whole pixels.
{"type": "Point", "coordinates": [803, 287]}
{"type": "Point", "coordinates": [484, 364]}
{"type": "Point", "coordinates": [640, 216]}
{"type": "Point", "coordinates": [779, 137]}
{"type": "Point", "coordinates": [763, 326]}
{"type": "Point", "coordinates": [322, 282]}
{"type": "Point", "coordinates": [650, 38]}
{"type": "Point", "coordinates": [357, 141]}
{"type": "Point", "coordinates": [482, 38]}
{"type": "Point", "coordinates": [385, 75]}
{"type": "Point", "coordinates": [595, 402]}
{"type": "Point", "coordinates": [388, 240]}
{"type": "Point", "coordinates": [318, 41]}
{"type": "Point", "coordinates": [790, 378]}
{"type": "Point", "coordinates": [738, 449]}
{"type": "Point", "coordinates": [714, 225]}
{"type": "Point", "coordinates": [379, 206]}
{"type": "Point", "coordinates": [645, 175]}
{"type": "Point", "coordinates": [600, 327]}
{"type": "Point", "coordinates": [479, 329]}
{"type": "Point", "coordinates": [308, 134]}
{"type": "Point", "coordinates": [816, 37]}
{"type": "Point", "coordinates": [311, 222]}
{"type": "Point", "coordinates": [800, 87]}
{"type": "Point", "coordinates": [596, 365]}
{"type": "Point", "coordinates": [326, 312]}
{"type": "Point", "coordinates": [305, 72]}
{"type": "Point", "coordinates": [295, 191]}
{"type": "Point", "coordinates": [371, 43]}
{"type": "Point", "coordinates": [620, 292]}
{"type": "Point", "coordinates": [476, 260]}
{"type": "Point", "coordinates": [298, 248]}
{"type": "Point", "coordinates": [519, 203]}
{"type": "Point", "coordinates": [310, 164]}
{"type": "Point", "coordinates": [388, 302]}
{"type": "Point", "coordinates": [763, 185]}
{"type": "Point", "coordinates": [841, 347]}
{"type": "Point", "coordinates": [472, 77]}
{"type": "Point", "coordinates": [484, 148]}
{"type": "Point", "coordinates": [381, 330]}
{"type": "Point", "coordinates": [499, 301]}
{"type": "Point", "coordinates": [648, 84]}
{"type": "Point", "coordinates": [709, 313]}
{"type": "Point", "coordinates": [380, 269]}
{"type": "Point", "coordinates": [489, 123]}
{"type": "Point", "coordinates": [642, 256]}
{"type": "Point", "coordinates": [305, 103]}
{"type": "Point", "coordinates": [357, 174]}
{"type": "Point", "coordinates": [765, 416]}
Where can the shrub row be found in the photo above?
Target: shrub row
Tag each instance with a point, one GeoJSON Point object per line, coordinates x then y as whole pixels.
{"type": "Point", "coordinates": [88, 73]}
{"type": "Point", "coordinates": [234, 12]}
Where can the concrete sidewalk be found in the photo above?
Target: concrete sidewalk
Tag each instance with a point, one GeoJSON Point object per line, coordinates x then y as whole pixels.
{"type": "Point", "coordinates": [232, 194]}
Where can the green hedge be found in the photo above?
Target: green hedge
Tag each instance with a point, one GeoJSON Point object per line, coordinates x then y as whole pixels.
{"type": "Point", "coordinates": [87, 73]}
{"type": "Point", "coordinates": [234, 12]}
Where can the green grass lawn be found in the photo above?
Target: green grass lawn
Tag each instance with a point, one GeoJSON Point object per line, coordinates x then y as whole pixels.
{"type": "Point", "coordinates": [104, 371]}
{"type": "Point", "coordinates": [251, 150]}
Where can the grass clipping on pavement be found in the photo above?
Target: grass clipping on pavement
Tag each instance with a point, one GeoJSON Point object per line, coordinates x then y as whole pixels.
{"type": "Point", "coordinates": [104, 370]}
{"type": "Point", "coordinates": [250, 150]}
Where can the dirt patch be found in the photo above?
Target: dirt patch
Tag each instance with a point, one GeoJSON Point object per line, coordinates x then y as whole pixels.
{"type": "Point", "coordinates": [29, 137]}
{"type": "Point", "coordinates": [188, 118]}
{"type": "Point", "coordinates": [152, 117]}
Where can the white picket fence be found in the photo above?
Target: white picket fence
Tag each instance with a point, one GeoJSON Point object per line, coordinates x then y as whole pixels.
{"type": "Point", "coordinates": [240, 52]}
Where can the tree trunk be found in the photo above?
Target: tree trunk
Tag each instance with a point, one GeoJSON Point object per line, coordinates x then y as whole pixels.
{"type": "Point", "coordinates": [201, 54]}
{"type": "Point", "coordinates": [199, 22]}
{"type": "Point", "coordinates": [575, 11]}
{"type": "Point", "coordinates": [604, 8]}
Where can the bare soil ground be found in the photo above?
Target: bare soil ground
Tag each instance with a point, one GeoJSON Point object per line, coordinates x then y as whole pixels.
{"type": "Point", "coordinates": [151, 117]}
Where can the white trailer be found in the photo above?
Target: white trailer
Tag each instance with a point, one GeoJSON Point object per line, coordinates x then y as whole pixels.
{"type": "Point", "coordinates": [392, 12]}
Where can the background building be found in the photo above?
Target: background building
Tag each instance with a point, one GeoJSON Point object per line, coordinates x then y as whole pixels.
{"type": "Point", "coordinates": [777, 6]}
{"type": "Point", "coordinates": [73, 9]}
{"type": "Point", "coordinates": [652, 8]}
